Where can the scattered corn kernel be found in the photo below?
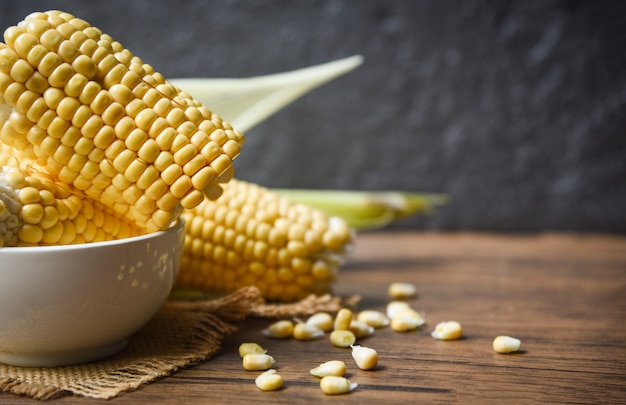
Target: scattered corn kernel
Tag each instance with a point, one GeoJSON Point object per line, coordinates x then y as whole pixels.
{"type": "Point", "coordinates": [402, 290]}
{"type": "Point", "coordinates": [269, 381]}
{"type": "Point", "coordinates": [406, 320]}
{"type": "Point", "coordinates": [250, 348]}
{"type": "Point", "coordinates": [304, 331]}
{"type": "Point", "coordinates": [279, 330]}
{"type": "Point", "coordinates": [373, 318]}
{"type": "Point", "coordinates": [450, 330]}
{"type": "Point", "coordinates": [334, 385]}
{"type": "Point", "coordinates": [506, 344]}
{"type": "Point", "coordinates": [343, 319]}
{"type": "Point", "coordinates": [404, 323]}
{"type": "Point", "coordinates": [361, 329]}
{"type": "Point", "coordinates": [365, 357]}
{"type": "Point", "coordinates": [412, 313]}
{"type": "Point", "coordinates": [332, 367]}
{"type": "Point", "coordinates": [396, 306]}
{"type": "Point", "coordinates": [321, 320]}
{"type": "Point", "coordinates": [258, 361]}
{"type": "Point", "coordinates": [342, 338]}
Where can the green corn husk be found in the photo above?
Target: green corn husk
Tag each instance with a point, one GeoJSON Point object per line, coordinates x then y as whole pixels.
{"type": "Point", "coordinates": [246, 102]}
{"type": "Point", "coordinates": [367, 210]}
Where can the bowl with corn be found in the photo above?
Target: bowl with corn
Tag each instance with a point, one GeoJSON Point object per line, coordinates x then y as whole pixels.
{"type": "Point", "coordinates": [78, 303]}
{"type": "Point", "coordinates": [99, 155]}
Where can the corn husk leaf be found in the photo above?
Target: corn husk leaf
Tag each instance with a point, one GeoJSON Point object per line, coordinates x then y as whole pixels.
{"type": "Point", "coordinates": [367, 210]}
{"type": "Point", "coordinates": [246, 102]}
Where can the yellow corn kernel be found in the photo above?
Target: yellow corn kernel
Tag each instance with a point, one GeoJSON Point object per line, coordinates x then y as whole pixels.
{"type": "Point", "coordinates": [32, 213]}
{"type": "Point", "coordinates": [343, 319]}
{"type": "Point", "coordinates": [78, 82]}
{"type": "Point", "coordinates": [322, 321]}
{"type": "Point", "coordinates": [403, 317]}
{"type": "Point", "coordinates": [334, 385]}
{"type": "Point", "coordinates": [406, 321]}
{"type": "Point", "coordinates": [258, 362]}
{"type": "Point", "coordinates": [506, 344]}
{"type": "Point", "coordinates": [304, 331]}
{"type": "Point", "coordinates": [401, 290]}
{"type": "Point", "coordinates": [366, 358]}
{"type": "Point", "coordinates": [361, 329]}
{"type": "Point", "coordinates": [269, 381]}
{"type": "Point", "coordinates": [342, 338]}
{"type": "Point", "coordinates": [250, 348]}
{"type": "Point", "coordinates": [279, 330]}
{"type": "Point", "coordinates": [259, 222]}
{"type": "Point", "coordinates": [450, 330]}
{"type": "Point", "coordinates": [373, 318]}
{"type": "Point", "coordinates": [332, 367]}
{"type": "Point", "coordinates": [394, 307]}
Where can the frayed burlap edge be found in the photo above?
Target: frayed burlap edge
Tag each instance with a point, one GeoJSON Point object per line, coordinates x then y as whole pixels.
{"type": "Point", "coordinates": [183, 333]}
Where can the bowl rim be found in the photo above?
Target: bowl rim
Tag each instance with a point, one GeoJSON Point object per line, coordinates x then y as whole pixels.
{"type": "Point", "coordinates": [94, 245]}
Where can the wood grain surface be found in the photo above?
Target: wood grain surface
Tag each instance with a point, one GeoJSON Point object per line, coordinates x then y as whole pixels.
{"type": "Point", "coordinates": [563, 295]}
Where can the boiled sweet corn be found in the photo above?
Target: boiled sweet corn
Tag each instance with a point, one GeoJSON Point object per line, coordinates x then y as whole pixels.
{"type": "Point", "coordinates": [94, 116]}
{"type": "Point", "coordinates": [35, 210]}
{"type": "Point", "coordinates": [96, 145]}
{"type": "Point", "coordinates": [253, 236]}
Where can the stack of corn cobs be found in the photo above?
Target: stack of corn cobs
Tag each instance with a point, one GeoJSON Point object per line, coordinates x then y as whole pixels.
{"type": "Point", "coordinates": [96, 145]}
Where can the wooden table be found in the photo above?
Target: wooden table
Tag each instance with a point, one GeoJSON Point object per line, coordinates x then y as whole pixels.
{"type": "Point", "coordinates": [563, 295]}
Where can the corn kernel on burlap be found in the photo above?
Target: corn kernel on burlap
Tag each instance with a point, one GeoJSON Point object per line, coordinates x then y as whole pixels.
{"type": "Point", "coordinates": [183, 333]}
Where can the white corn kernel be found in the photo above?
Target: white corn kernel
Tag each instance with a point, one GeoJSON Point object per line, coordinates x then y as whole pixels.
{"type": "Point", "coordinates": [303, 331]}
{"type": "Point", "coordinates": [334, 385]}
{"type": "Point", "coordinates": [342, 338]}
{"type": "Point", "coordinates": [279, 330]}
{"type": "Point", "coordinates": [343, 319]}
{"type": "Point", "coordinates": [373, 318]}
{"type": "Point", "coordinates": [365, 357]}
{"type": "Point", "coordinates": [361, 329]}
{"type": "Point", "coordinates": [332, 367]}
{"type": "Point", "coordinates": [506, 344]}
{"type": "Point", "coordinates": [321, 320]}
{"type": "Point", "coordinates": [402, 290]}
{"type": "Point", "coordinates": [396, 306]}
{"type": "Point", "coordinates": [250, 348]}
{"type": "Point", "coordinates": [269, 381]}
{"type": "Point", "coordinates": [258, 361]}
{"type": "Point", "coordinates": [450, 330]}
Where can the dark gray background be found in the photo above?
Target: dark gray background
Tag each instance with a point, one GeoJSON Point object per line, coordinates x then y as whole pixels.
{"type": "Point", "coordinates": [516, 109]}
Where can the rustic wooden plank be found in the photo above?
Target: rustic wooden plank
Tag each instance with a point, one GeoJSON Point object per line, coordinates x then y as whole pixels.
{"type": "Point", "coordinates": [563, 295]}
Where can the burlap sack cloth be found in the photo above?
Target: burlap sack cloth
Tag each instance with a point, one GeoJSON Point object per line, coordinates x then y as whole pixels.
{"type": "Point", "coordinates": [183, 333]}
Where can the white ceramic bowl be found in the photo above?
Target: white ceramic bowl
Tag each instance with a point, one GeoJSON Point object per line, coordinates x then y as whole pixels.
{"type": "Point", "coordinates": [62, 305]}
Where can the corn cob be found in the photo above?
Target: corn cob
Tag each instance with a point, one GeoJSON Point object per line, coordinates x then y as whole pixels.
{"type": "Point", "coordinates": [94, 116]}
{"type": "Point", "coordinates": [35, 210]}
{"type": "Point", "coordinates": [253, 236]}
